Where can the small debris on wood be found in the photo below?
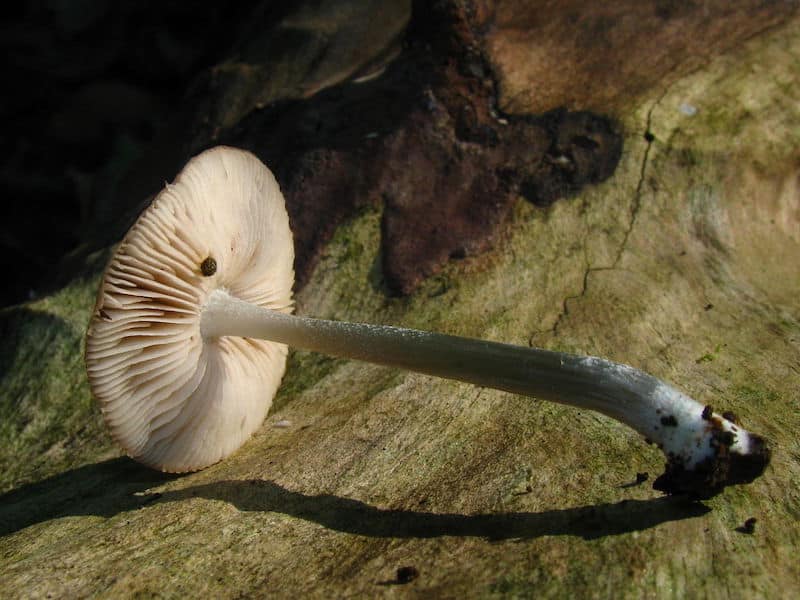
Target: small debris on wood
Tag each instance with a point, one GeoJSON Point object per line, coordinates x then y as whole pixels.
{"type": "Point", "coordinates": [407, 574]}
{"type": "Point", "coordinates": [640, 479]}
{"type": "Point", "coordinates": [749, 526]}
{"type": "Point", "coordinates": [282, 424]}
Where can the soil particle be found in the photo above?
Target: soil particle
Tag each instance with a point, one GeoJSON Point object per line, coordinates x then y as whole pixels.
{"type": "Point", "coordinates": [407, 574]}
{"type": "Point", "coordinates": [640, 479]}
{"type": "Point", "coordinates": [724, 468]}
{"type": "Point", "coordinates": [208, 267]}
{"type": "Point", "coordinates": [749, 526]}
{"type": "Point", "coordinates": [730, 416]}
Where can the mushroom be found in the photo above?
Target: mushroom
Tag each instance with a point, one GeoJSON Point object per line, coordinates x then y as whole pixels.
{"type": "Point", "coordinates": [187, 343]}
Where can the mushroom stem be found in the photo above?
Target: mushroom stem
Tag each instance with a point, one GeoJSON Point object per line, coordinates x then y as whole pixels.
{"type": "Point", "coordinates": [705, 451]}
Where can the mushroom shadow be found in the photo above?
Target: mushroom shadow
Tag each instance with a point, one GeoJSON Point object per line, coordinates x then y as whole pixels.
{"type": "Point", "coordinates": [115, 486]}
{"type": "Point", "coordinates": [359, 518]}
{"type": "Point", "coordinates": [102, 489]}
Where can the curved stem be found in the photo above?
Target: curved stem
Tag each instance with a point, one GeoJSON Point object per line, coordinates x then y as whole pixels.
{"type": "Point", "coordinates": [680, 426]}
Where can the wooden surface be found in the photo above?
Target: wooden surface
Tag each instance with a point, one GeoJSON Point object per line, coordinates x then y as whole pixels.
{"type": "Point", "coordinates": [683, 263]}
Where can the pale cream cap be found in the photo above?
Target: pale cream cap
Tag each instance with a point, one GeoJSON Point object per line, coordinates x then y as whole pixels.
{"type": "Point", "coordinates": [173, 400]}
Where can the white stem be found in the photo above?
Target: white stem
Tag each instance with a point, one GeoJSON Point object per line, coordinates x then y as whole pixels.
{"type": "Point", "coordinates": [688, 434]}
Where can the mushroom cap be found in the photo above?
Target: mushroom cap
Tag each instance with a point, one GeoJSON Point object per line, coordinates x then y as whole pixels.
{"type": "Point", "coordinates": [172, 399]}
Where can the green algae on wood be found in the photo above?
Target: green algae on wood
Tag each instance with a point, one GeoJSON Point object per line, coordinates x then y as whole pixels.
{"type": "Point", "coordinates": [48, 421]}
{"type": "Point", "coordinates": [281, 517]}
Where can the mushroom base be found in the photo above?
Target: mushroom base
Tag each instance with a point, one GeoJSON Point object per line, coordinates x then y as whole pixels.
{"type": "Point", "coordinates": [710, 476]}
